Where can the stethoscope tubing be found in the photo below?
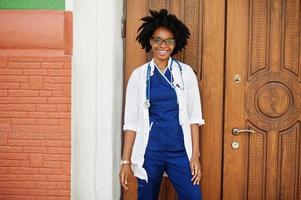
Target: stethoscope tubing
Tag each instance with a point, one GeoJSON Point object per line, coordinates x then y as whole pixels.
{"type": "Point", "coordinates": [147, 102]}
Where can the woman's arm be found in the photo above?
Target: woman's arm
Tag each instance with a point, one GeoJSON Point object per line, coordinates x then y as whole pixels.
{"type": "Point", "coordinates": [130, 127]}
{"type": "Point", "coordinates": [195, 140]}
{"type": "Point", "coordinates": [125, 170]}
{"type": "Point", "coordinates": [195, 158]}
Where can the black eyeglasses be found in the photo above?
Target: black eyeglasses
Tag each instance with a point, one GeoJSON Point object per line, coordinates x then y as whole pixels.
{"type": "Point", "coordinates": [168, 41]}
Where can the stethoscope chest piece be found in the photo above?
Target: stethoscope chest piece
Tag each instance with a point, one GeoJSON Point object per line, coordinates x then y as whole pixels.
{"type": "Point", "coordinates": [146, 104]}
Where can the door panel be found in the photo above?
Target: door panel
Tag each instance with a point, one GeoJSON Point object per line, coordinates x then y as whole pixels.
{"type": "Point", "coordinates": [263, 48]}
{"type": "Point", "coordinates": [205, 53]}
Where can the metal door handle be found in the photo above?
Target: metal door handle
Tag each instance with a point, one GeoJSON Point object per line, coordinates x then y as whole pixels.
{"type": "Point", "coordinates": [237, 131]}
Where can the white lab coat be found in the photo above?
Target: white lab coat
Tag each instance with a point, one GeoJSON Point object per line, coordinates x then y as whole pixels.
{"type": "Point", "coordinates": [136, 117]}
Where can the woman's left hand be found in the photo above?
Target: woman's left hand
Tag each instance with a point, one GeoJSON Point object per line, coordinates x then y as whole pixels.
{"type": "Point", "coordinates": [195, 167]}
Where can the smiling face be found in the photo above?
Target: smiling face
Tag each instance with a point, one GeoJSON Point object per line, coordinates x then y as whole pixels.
{"type": "Point", "coordinates": [162, 51]}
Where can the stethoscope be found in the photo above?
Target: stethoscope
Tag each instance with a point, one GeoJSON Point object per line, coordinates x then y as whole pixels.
{"type": "Point", "coordinates": [147, 101]}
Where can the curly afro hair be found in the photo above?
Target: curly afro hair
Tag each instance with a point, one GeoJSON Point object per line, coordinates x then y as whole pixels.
{"type": "Point", "coordinates": [162, 19]}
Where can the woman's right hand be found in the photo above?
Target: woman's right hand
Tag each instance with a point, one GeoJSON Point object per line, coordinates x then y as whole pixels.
{"type": "Point", "coordinates": [124, 174]}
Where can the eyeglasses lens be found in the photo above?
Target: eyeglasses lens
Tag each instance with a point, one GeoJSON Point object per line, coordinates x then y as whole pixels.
{"type": "Point", "coordinates": [168, 42]}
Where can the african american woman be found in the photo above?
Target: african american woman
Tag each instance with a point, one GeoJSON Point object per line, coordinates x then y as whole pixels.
{"type": "Point", "coordinates": [162, 114]}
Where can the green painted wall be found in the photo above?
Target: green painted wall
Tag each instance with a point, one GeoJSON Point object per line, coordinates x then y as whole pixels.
{"type": "Point", "coordinates": [32, 4]}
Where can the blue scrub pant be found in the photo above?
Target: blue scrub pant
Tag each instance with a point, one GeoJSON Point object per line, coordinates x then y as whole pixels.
{"type": "Point", "coordinates": [177, 166]}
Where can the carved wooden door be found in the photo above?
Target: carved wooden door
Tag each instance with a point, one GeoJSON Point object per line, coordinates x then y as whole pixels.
{"type": "Point", "coordinates": [263, 94]}
{"type": "Point", "coordinates": [249, 72]}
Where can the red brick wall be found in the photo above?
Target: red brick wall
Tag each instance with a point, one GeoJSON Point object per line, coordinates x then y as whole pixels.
{"type": "Point", "coordinates": [35, 105]}
{"type": "Point", "coordinates": [35, 136]}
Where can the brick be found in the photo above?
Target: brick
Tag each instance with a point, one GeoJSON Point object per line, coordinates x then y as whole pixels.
{"type": "Point", "coordinates": [46, 185]}
{"type": "Point", "coordinates": [25, 58]}
{"type": "Point", "coordinates": [34, 128]}
{"type": "Point", "coordinates": [3, 138]}
{"type": "Point", "coordinates": [3, 61]}
{"type": "Point", "coordinates": [23, 170]}
{"type": "Point", "coordinates": [65, 73]}
{"type": "Point", "coordinates": [24, 65]}
{"type": "Point", "coordinates": [57, 79]}
{"type": "Point", "coordinates": [23, 198]}
{"type": "Point", "coordinates": [18, 107]}
{"type": "Point", "coordinates": [5, 125]}
{"type": "Point", "coordinates": [25, 163]}
{"type": "Point", "coordinates": [8, 100]}
{"type": "Point", "coordinates": [17, 184]}
{"type": "Point", "coordinates": [52, 65]}
{"type": "Point", "coordinates": [46, 107]}
{"type": "Point", "coordinates": [14, 191]}
{"type": "Point", "coordinates": [61, 93]}
{"type": "Point", "coordinates": [25, 143]}
{"type": "Point", "coordinates": [27, 136]}
{"type": "Point", "coordinates": [3, 170]}
{"type": "Point", "coordinates": [58, 58]}
{"type": "Point", "coordinates": [5, 121]}
{"type": "Point", "coordinates": [52, 164]}
{"type": "Point", "coordinates": [8, 177]}
{"type": "Point", "coordinates": [9, 163]}
{"type": "Point", "coordinates": [32, 99]}
{"type": "Point", "coordinates": [53, 143]}
{"type": "Point", "coordinates": [67, 65]}
{"type": "Point", "coordinates": [67, 143]}
{"type": "Point", "coordinates": [25, 86]}
{"type": "Point", "coordinates": [46, 93]}
{"type": "Point", "coordinates": [37, 114]}
{"type": "Point", "coordinates": [50, 171]}
{"type": "Point", "coordinates": [11, 71]}
{"type": "Point", "coordinates": [53, 198]}
{"type": "Point", "coordinates": [3, 93]}
{"type": "Point", "coordinates": [23, 121]}
{"type": "Point", "coordinates": [37, 72]}
{"type": "Point", "coordinates": [35, 150]}
{"type": "Point", "coordinates": [9, 149]}
{"type": "Point", "coordinates": [58, 178]}
{"type": "Point", "coordinates": [59, 192]}
{"type": "Point", "coordinates": [58, 100]}
{"type": "Point", "coordinates": [32, 177]}
{"type": "Point", "coordinates": [8, 114]}
{"type": "Point", "coordinates": [22, 93]}
{"type": "Point", "coordinates": [59, 150]}
{"type": "Point", "coordinates": [36, 160]}
{"type": "Point", "coordinates": [9, 85]}
{"type": "Point", "coordinates": [56, 157]}
{"type": "Point", "coordinates": [47, 121]}
{"type": "Point", "coordinates": [58, 136]}
{"type": "Point", "coordinates": [66, 168]}
{"type": "Point", "coordinates": [36, 82]}
{"type": "Point", "coordinates": [14, 79]}
{"type": "Point", "coordinates": [63, 185]}
{"type": "Point", "coordinates": [38, 192]}
{"type": "Point", "coordinates": [60, 115]}
{"type": "Point", "coordinates": [67, 89]}
{"type": "Point", "coordinates": [13, 156]}
{"type": "Point", "coordinates": [52, 86]}
{"type": "Point", "coordinates": [4, 197]}
{"type": "Point", "coordinates": [65, 124]}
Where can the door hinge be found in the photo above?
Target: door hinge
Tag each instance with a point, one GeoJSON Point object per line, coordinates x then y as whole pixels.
{"type": "Point", "coordinates": [123, 31]}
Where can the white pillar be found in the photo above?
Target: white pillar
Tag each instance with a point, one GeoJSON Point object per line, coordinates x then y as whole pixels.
{"type": "Point", "coordinates": [97, 76]}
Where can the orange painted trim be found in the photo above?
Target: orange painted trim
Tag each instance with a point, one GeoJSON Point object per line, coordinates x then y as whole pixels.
{"type": "Point", "coordinates": [68, 30]}
{"type": "Point", "coordinates": [35, 32]}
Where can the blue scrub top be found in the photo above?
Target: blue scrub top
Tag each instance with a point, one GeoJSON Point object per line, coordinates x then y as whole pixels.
{"type": "Point", "coordinates": [165, 131]}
